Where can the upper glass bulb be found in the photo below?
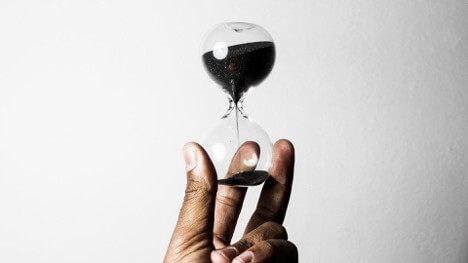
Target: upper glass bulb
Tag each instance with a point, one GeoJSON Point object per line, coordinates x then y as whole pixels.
{"type": "Point", "coordinates": [238, 56]}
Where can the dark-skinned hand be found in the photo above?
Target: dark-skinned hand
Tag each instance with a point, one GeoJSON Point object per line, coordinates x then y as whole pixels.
{"type": "Point", "coordinates": [209, 213]}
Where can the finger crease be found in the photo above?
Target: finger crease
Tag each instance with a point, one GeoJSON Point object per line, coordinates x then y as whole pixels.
{"type": "Point", "coordinates": [227, 200]}
{"type": "Point", "coordinates": [265, 213]}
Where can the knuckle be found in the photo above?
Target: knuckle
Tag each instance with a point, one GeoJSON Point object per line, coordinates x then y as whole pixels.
{"type": "Point", "coordinates": [186, 243]}
{"type": "Point", "coordinates": [221, 238]}
{"type": "Point", "coordinates": [270, 225]}
{"type": "Point", "coordinates": [193, 185]}
{"type": "Point", "coordinates": [268, 246]}
{"type": "Point", "coordinates": [277, 230]}
{"type": "Point", "coordinates": [197, 188]}
{"type": "Point", "coordinates": [243, 244]}
{"type": "Point", "coordinates": [276, 251]}
{"type": "Point", "coordinates": [282, 232]}
{"type": "Point", "coordinates": [265, 251]}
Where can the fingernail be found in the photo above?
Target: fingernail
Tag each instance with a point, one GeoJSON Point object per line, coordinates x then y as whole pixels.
{"type": "Point", "coordinates": [245, 257]}
{"type": "Point", "coordinates": [228, 252]}
{"type": "Point", "coordinates": [190, 157]}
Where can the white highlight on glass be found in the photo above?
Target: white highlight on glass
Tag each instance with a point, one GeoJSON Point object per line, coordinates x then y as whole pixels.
{"type": "Point", "coordinates": [252, 161]}
{"type": "Point", "coordinates": [219, 151]}
{"type": "Point", "coordinates": [220, 50]}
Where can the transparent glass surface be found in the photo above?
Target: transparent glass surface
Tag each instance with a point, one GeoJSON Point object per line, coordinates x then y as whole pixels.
{"type": "Point", "coordinates": [238, 56]}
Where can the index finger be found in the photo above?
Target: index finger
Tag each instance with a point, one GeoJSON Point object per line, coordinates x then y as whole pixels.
{"type": "Point", "coordinates": [229, 199]}
{"type": "Point", "coordinates": [276, 191]}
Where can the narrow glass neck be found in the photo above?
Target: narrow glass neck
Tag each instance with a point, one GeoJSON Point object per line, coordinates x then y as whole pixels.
{"type": "Point", "coordinates": [233, 106]}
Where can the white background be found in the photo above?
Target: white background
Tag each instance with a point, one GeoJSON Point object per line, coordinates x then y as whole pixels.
{"type": "Point", "coordinates": [98, 97]}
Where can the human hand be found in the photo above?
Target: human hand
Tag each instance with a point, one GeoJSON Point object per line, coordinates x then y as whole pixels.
{"type": "Point", "coordinates": [209, 213]}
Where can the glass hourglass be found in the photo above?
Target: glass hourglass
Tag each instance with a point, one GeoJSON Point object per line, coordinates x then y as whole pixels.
{"type": "Point", "coordinates": [238, 56]}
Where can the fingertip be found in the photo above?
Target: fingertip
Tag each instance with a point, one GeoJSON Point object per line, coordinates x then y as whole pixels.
{"type": "Point", "coordinates": [251, 146]}
{"type": "Point", "coordinates": [190, 156]}
{"type": "Point", "coordinates": [284, 146]}
{"type": "Point", "coordinates": [283, 161]}
{"type": "Point", "coordinates": [199, 164]}
{"type": "Point", "coordinates": [272, 250]}
{"type": "Point", "coordinates": [217, 257]}
{"type": "Point", "coordinates": [246, 157]}
{"type": "Point", "coordinates": [245, 257]}
{"type": "Point", "coordinates": [224, 255]}
{"type": "Point", "coordinates": [193, 145]}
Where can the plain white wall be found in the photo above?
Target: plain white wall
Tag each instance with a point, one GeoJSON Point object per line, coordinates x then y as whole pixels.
{"type": "Point", "coordinates": [98, 97]}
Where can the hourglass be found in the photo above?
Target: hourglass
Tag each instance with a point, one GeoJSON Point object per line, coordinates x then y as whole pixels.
{"type": "Point", "coordinates": [238, 56]}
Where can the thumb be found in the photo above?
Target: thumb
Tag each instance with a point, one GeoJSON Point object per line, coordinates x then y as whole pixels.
{"type": "Point", "coordinates": [200, 192]}
{"type": "Point", "coordinates": [194, 229]}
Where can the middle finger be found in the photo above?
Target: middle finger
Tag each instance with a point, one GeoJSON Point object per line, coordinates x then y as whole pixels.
{"type": "Point", "coordinates": [229, 199]}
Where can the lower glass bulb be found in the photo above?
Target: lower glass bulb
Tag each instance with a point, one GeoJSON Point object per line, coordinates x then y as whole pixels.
{"type": "Point", "coordinates": [240, 150]}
